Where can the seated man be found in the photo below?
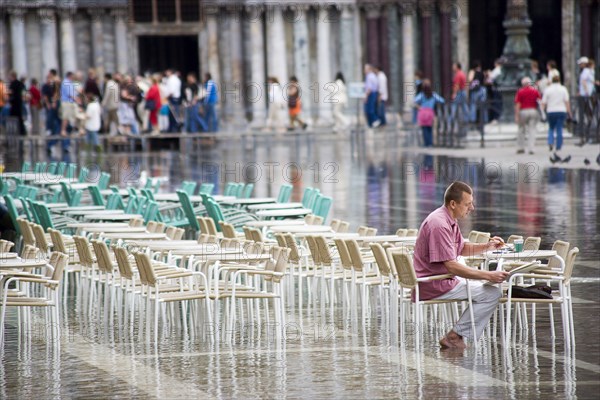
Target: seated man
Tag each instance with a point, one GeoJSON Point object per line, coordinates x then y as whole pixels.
{"type": "Point", "coordinates": [438, 246]}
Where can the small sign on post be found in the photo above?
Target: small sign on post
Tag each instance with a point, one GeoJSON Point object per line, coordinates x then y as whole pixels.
{"type": "Point", "coordinates": [356, 90]}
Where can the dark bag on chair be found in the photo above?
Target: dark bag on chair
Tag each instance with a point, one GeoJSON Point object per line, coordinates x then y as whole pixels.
{"type": "Point", "coordinates": [532, 292]}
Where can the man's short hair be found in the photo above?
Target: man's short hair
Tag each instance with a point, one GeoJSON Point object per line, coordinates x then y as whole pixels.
{"type": "Point", "coordinates": [455, 191]}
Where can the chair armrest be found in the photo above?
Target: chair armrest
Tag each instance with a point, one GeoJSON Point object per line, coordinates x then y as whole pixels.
{"type": "Point", "coordinates": [434, 278]}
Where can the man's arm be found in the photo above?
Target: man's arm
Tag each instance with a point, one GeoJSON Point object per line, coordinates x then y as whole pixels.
{"type": "Point", "coordinates": [458, 269]}
{"type": "Point", "coordinates": [471, 249]}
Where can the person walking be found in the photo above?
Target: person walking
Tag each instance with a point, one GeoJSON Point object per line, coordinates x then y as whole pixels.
{"type": "Point", "coordinates": [35, 104]}
{"type": "Point", "coordinates": [425, 102]}
{"type": "Point", "coordinates": [16, 90]}
{"type": "Point", "coordinates": [526, 114]}
{"type": "Point", "coordinates": [51, 104]}
{"type": "Point", "coordinates": [174, 97]}
{"type": "Point", "coordinates": [153, 103]}
{"type": "Point", "coordinates": [555, 102]}
{"type": "Point", "coordinates": [371, 95]}
{"type": "Point", "coordinates": [295, 104]}
{"type": "Point", "coordinates": [193, 121]}
{"type": "Point", "coordinates": [459, 94]}
{"type": "Point", "coordinates": [210, 103]}
{"type": "Point", "coordinates": [110, 103]}
{"type": "Point", "coordinates": [277, 105]}
{"type": "Point", "coordinates": [340, 100]}
{"type": "Point", "coordinates": [477, 93]}
{"type": "Point", "coordinates": [127, 101]}
{"type": "Point", "coordinates": [382, 98]}
{"type": "Point", "coordinates": [93, 121]}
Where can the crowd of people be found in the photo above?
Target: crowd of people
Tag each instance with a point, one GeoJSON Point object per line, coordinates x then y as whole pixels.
{"type": "Point", "coordinates": [475, 98]}
{"type": "Point", "coordinates": [119, 104]}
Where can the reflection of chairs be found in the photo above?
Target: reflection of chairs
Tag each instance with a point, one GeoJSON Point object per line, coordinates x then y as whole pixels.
{"type": "Point", "coordinates": [407, 279]}
{"type": "Point", "coordinates": [562, 276]}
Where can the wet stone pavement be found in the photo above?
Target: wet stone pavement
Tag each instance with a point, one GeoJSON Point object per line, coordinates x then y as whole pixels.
{"type": "Point", "coordinates": [380, 181]}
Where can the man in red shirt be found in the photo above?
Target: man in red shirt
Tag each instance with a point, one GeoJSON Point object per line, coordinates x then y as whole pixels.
{"type": "Point", "coordinates": [526, 114]}
{"type": "Point", "coordinates": [459, 94]}
{"type": "Point", "coordinates": [35, 103]}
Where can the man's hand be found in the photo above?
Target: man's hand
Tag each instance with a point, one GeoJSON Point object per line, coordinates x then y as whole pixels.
{"type": "Point", "coordinates": [497, 276]}
{"type": "Point", "coordinates": [496, 242]}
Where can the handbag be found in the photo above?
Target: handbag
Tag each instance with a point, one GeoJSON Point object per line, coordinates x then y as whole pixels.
{"type": "Point", "coordinates": [539, 291]}
{"type": "Point", "coordinates": [150, 105]}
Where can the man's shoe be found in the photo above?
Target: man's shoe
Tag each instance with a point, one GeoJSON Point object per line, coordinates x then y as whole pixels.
{"type": "Point", "coordinates": [531, 153]}
{"type": "Point", "coordinates": [304, 126]}
{"type": "Point", "coordinates": [520, 151]}
{"type": "Point", "coordinates": [376, 123]}
{"type": "Point", "coordinates": [598, 159]}
{"type": "Point", "coordinates": [586, 161]}
{"type": "Point", "coordinates": [566, 159]}
{"type": "Point", "coordinates": [551, 147]}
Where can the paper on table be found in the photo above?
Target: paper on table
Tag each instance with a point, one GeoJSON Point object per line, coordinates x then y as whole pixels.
{"type": "Point", "coordinates": [518, 270]}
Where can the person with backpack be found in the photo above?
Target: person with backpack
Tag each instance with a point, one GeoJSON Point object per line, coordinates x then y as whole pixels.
{"type": "Point", "coordinates": [425, 103]}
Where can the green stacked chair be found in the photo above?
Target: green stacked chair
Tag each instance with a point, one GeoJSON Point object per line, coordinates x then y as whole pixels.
{"type": "Point", "coordinates": [189, 187]}
{"type": "Point", "coordinates": [248, 191]}
{"type": "Point", "coordinates": [97, 199]}
{"type": "Point", "coordinates": [104, 180]}
{"type": "Point", "coordinates": [207, 188]}
{"type": "Point", "coordinates": [71, 170]}
{"type": "Point", "coordinates": [322, 206]}
{"type": "Point", "coordinates": [285, 192]}
{"type": "Point", "coordinates": [26, 166]}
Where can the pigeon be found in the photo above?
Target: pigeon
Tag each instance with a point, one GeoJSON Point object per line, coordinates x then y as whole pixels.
{"type": "Point", "coordinates": [586, 161]}
{"type": "Point", "coordinates": [566, 159]}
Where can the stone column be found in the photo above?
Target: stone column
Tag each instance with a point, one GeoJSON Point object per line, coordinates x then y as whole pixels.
{"type": "Point", "coordinates": [121, 40]}
{"type": "Point", "coordinates": [49, 40]}
{"type": "Point", "coordinates": [373, 40]}
{"type": "Point", "coordinates": [348, 55]}
{"type": "Point", "coordinates": [301, 60]}
{"type": "Point", "coordinates": [67, 41]}
{"type": "Point", "coordinates": [213, 48]}
{"type": "Point", "coordinates": [395, 58]}
{"type": "Point", "coordinates": [408, 10]}
{"type": "Point", "coordinates": [569, 56]}
{"type": "Point", "coordinates": [276, 53]}
{"type": "Point", "coordinates": [4, 61]}
{"type": "Point", "coordinates": [325, 74]}
{"type": "Point", "coordinates": [446, 47]}
{"type": "Point", "coordinates": [237, 67]}
{"type": "Point", "coordinates": [96, 15]}
{"type": "Point", "coordinates": [17, 36]}
{"type": "Point", "coordinates": [226, 91]}
{"type": "Point", "coordinates": [426, 8]}
{"type": "Point", "coordinates": [462, 42]}
{"type": "Point", "coordinates": [256, 90]}
{"type": "Point", "coordinates": [585, 7]}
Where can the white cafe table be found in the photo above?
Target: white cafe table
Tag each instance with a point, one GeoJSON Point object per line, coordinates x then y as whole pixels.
{"type": "Point", "coordinates": [292, 212]}
{"type": "Point", "coordinates": [302, 229]}
{"type": "Point", "coordinates": [16, 262]}
{"type": "Point", "coordinates": [249, 201]}
{"type": "Point", "coordinates": [167, 244]}
{"type": "Point", "coordinates": [77, 225]}
{"type": "Point", "coordinates": [219, 198]}
{"type": "Point", "coordinates": [56, 206]}
{"type": "Point", "coordinates": [135, 236]}
{"type": "Point", "coordinates": [386, 238]}
{"type": "Point", "coordinates": [75, 209]}
{"type": "Point", "coordinates": [511, 256]}
{"type": "Point", "coordinates": [274, 206]}
{"type": "Point", "coordinates": [116, 229]}
{"type": "Point", "coordinates": [108, 192]}
{"type": "Point", "coordinates": [33, 176]}
{"type": "Point", "coordinates": [54, 180]}
{"type": "Point", "coordinates": [102, 211]}
{"type": "Point", "coordinates": [174, 198]}
{"type": "Point", "coordinates": [269, 223]}
{"type": "Point", "coordinates": [110, 217]}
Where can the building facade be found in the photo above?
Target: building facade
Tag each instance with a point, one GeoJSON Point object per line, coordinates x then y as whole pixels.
{"type": "Point", "coordinates": [243, 42]}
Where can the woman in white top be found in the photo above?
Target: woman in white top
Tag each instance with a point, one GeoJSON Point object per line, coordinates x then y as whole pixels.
{"type": "Point", "coordinates": [339, 99]}
{"type": "Point", "coordinates": [277, 106]}
{"type": "Point", "coordinates": [556, 104]}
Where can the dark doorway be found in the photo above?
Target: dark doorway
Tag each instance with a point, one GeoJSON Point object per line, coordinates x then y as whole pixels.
{"type": "Point", "coordinates": [486, 33]}
{"type": "Point", "coordinates": [158, 53]}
